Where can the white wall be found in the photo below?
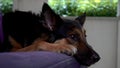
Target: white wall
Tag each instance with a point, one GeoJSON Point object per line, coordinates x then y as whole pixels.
{"type": "Point", "coordinates": [102, 33]}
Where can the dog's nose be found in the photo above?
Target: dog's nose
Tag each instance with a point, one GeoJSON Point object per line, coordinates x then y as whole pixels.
{"type": "Point", "coordinates": [95, 57]}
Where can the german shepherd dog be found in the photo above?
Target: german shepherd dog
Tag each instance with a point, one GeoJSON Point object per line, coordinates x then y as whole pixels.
{"type": "Point", "coordinates": [26, 31]}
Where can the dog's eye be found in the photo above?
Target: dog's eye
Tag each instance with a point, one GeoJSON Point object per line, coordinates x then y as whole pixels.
{"type": "Point", "coordinates": [74, 37]}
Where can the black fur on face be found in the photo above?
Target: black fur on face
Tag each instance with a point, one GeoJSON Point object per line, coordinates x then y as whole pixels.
{"type": "Point", "coordinates": [72, 30]}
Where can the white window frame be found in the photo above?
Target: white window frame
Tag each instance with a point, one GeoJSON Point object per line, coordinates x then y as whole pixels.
{"type": "Point", "coordinates": [118, 9]}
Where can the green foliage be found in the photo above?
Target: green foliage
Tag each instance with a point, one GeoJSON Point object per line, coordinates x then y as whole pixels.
{"type": "Point", "coordinates": [6, 6]}
{"type": "Point", "coordinates": [91, 7]}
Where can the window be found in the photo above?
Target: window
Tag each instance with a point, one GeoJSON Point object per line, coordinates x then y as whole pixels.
{"type": "Point", "coordinates": [6, 6]}
{"type": "Point", "coordinates": [99, 8]}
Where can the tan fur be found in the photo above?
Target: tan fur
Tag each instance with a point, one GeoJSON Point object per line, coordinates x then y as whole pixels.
{"type": "Point", "coordinates": [60, 46]}
{"type": "Point", "coordinates": [15, 44]}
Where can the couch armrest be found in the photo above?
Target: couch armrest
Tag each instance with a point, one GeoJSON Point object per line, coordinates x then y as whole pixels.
{"type": "Point", "coordinates": [40, 59]}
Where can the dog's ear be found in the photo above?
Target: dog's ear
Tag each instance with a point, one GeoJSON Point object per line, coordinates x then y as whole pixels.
{"type": "Point", "coordinates": [81, 19]}
{"type": "Point", "coordinates": [51, 19]}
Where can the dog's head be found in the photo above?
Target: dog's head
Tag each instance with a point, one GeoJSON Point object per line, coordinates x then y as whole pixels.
{"type": "Point", "coordinates": [72, 30]}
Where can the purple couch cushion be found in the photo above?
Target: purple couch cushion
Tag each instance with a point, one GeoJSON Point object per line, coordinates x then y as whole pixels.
{"type": "Point", "coordinates": [1, 31]}
{"type": "Point", "coordinates": [40, 59]}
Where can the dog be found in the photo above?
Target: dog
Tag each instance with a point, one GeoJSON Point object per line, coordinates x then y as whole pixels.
{"type": "Point", "coordinates": [47, 31]}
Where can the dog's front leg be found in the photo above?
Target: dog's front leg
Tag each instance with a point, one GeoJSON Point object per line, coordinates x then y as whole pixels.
{"type": "Point", "coordinates": [60, 46]}
{"type": "Point", "coordinates": [53, 47]}
{"type": "Point", "coordinates": [28, 49]}
{"type": "Point", "coordinates": [66, 49]}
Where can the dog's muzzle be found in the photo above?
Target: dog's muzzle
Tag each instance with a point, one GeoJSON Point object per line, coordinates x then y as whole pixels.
{"type": "Point", "coordinates": [88, 57]}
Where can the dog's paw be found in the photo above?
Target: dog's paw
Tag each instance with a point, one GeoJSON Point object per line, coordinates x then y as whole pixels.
{"type": "Point", "coordinates": [65, 49]}
{"type": "Point", "coordinates": [68, 50]}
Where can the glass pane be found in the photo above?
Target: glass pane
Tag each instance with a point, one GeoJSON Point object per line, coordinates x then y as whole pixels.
{"type": "Point", "coordinates": [91, 7]}
{"type": "Point", "coordinates": [6, 6]}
